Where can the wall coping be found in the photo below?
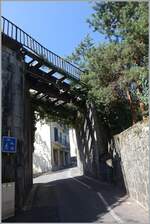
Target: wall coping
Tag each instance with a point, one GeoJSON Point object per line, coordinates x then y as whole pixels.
{"type": "Point", "coordinates": [140, 123]}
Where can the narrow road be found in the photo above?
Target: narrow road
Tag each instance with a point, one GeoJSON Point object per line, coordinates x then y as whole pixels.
{"type": "Point", "coordinates": [68, 196]}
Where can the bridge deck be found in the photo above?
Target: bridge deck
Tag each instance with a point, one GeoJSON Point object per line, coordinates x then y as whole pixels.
{"type": "Point", "coordinates": [49, 75]}
{"type": "Point", "coordinates": [59, 64]}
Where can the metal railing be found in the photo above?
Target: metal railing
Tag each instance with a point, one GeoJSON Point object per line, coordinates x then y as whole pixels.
{"type": "Point", "coordinates": [14, 32]}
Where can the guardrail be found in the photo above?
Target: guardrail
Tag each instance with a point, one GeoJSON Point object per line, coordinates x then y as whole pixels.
{"type": "Point", "coordinates": [14, 32]}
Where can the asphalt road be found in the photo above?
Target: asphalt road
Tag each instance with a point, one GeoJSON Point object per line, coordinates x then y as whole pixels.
{"type": "Point", "coordinates": [68, 196]}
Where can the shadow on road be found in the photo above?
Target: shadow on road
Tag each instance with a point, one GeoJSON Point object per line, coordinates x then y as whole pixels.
{"type": "Point", "coordinates": [68, 200]}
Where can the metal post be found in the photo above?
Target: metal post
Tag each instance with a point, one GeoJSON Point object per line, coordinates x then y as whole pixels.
{"type": "Point", "coordinates": [8, 28]}
{"type": "Point", "coordinates": [12, 30]}
{"type": "Point", "coordinates": [3, 25]}
{"type": "Point", "coordinates": [16, 32]}
{"type": "Point", "coordinates": [20, 35]}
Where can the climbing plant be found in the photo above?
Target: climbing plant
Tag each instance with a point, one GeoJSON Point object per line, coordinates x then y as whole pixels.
{"type": "Point", "coordinates": [66, 114]}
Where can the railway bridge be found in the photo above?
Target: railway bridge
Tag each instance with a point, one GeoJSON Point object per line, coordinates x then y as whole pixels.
{"type": "Point", "coordinates": [33, 75]}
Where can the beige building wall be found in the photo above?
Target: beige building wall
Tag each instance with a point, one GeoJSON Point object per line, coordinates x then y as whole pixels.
{"type": "Point", "coordinates": [60, 147]}
{"type": "Point", "coordinates": [50, 154]}
{"type": "Point", "coordinates": [42, 148]}
{"type": "Point", "coordinates": [73, 142]}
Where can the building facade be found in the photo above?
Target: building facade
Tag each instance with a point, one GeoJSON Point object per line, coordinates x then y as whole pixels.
{"type": "Point", "coordinates": [60, 147]}
{"type": "Point", "coordinates": [51, 147]}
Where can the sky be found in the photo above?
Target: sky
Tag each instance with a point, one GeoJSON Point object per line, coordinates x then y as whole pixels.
{"type": "Point", "coordinates": [58, 25]}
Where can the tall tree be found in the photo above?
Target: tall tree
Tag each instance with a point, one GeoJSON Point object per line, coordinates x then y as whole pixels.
{"type": "Point", "coordinates": [127, 22]}
{"type": "Point", "coordinates": [117, 72]}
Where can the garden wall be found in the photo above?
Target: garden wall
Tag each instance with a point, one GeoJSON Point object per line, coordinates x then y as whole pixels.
{"type": "Point", "coordinates": [133, 149]}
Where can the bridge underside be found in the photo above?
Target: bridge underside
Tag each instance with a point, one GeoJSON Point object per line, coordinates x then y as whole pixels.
{"type": "Point", "coordinates": [50, 89]}
{"type": "Point", "coordinates": [49, 85]}
{"type": "Point", "coordinates": [31, 79]}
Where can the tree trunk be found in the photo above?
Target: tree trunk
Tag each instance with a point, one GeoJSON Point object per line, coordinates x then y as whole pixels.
{"type": "Point", "coordinates": [132, 107]}
{"type": "Point", "coordinates": [142, 107]}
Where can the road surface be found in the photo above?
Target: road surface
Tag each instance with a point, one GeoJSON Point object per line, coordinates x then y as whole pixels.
{"type": "Point", "coordinates": [68, 196]}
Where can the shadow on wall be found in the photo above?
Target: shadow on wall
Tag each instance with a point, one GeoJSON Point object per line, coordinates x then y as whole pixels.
{"type": "Point", "coordinates": [111, 168]}
{"type": "Point", "coordinates": [85, 141]}
{"type": "Point", "coordinates": [97, 152]}
{"type": "Point", "coordinates": [92, 142]}
{"type": "Point", "coordinates": [118, 173]}
{"type": "Point", "coordinates": [41, 156]}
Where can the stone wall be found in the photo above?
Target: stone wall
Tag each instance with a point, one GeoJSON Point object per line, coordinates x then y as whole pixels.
{"type": "Point", "coordinates": [131, 146]}
{"type": "Point", "coordinates": [16, 122]}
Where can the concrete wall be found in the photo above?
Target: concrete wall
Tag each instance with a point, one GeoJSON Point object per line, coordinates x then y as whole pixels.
{"type": "Point", "coordinates": [132, 148]}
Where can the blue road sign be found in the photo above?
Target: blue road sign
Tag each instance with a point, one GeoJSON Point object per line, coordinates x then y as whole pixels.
{"type": "Point", "coordinates": [9, 144]}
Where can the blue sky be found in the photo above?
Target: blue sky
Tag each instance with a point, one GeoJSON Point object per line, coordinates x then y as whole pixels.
{"type": "Point", "coordinates": [58, 25]}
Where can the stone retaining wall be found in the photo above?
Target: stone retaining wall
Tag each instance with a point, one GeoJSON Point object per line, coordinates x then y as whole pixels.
{"type": "Point", "coordinates": [133, 149]}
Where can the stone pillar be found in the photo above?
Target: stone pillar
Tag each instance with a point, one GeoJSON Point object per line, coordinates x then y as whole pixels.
{"type": "Point", "coordinates": [18, 122]}
{"type": "Point", "coordinates": [13, 78]}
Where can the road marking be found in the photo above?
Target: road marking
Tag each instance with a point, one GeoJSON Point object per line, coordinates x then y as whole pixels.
{"type": "Point", "coordinates": [109, 209]}
{"type": "Point", "coordinates": [85, 185]}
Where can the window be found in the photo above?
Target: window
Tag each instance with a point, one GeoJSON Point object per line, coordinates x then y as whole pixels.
{"type": "Point", "coordinates": [55, 134]}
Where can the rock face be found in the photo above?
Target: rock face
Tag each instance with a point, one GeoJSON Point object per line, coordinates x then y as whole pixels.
{"type": "Point", "coordinates": [132, 148]}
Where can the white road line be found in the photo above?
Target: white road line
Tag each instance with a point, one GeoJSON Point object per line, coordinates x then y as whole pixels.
{"type": "Point", "coordinates": [111, 211]}
{"type": "Point", "coordinates": [85, 185]}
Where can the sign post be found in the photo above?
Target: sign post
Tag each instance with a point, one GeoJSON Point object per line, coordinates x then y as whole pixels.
{"type": "Point", "coordinates": [9, 144]}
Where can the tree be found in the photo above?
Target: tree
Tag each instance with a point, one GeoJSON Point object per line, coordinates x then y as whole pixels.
{"type": "Point", "coordinates": [127, 22]}
{"type": "Point", "coordinates": [121, 21]}
{"type": "Point", "coordinates": [79, 56]}
{"type": "Point", "coordinates": [113, 68]}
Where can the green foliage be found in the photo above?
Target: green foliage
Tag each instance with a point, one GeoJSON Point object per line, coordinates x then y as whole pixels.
{"type": "Point", "coordinates": [119, 117]}
{"type": "Point", "coordinates": [65, 114]}
{"type": "Point", "coordinates": [113, 68]}
{"type": "Point", "coordinates": [121, 20]}
{"type": "Point", "coordinates": [79, 56]}
{"type": "Point", "coordinates": [144, 86]}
